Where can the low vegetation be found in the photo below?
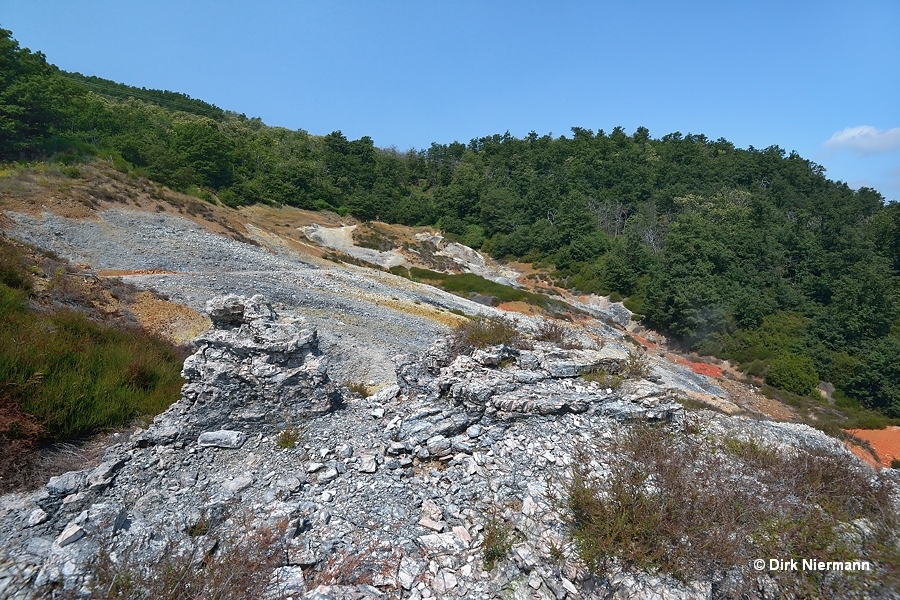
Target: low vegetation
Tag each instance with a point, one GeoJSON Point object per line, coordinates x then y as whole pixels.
{"type": "Point", "coordinates": [482, 332]}
{"type": "Point", "coordinates": [476, 287]}
{"type": "Point", "coordinates": [692, 506]}
{"type": "Point", "coordinates": [288, 437]}
{"type": "Point", "coordinates": [359, 388]}
{"type": "Point", "coordinates": [498, 541]}
{"type": "Point", "coordinates": [636, 365]}
{"type": "Point", "coordinates": [603, 378]}
{"type": "Point", "coordinates": [64, 375]}
{"type": "Point", "coordinates": [555, 333]}
{"type": "Point", "coordinates": [233, 568]}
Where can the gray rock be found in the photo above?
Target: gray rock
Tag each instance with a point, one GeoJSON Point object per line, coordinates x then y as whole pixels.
{"type": "Point", "coordinates": [439, 446]}
{"type": "Point", "coordinates": [239, 483]}
{"type": "Point", "coordinates": [385, 395]}
{"type": "Point", "coordinates": [105, 518]}
{"type": "Point", "coordinates": [103, 473]}
{"type": "Point", "coordinates": [222, 439]}
{"type": "Point", "coordinates": [328, 475]}
{"type": "Point", "coordinates": [67, 483]}
{"type": "Point", "coordinates": [36, 517]}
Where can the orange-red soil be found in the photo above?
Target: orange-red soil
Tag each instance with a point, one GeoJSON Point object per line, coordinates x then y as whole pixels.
{"type": "Point", "coordinates": [697, 367]}
{"type": "Point", "coordinates": [885, 442]}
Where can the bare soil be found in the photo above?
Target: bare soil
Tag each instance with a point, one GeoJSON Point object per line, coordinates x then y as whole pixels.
{"type": "Point", "coordinates": [885, 442]}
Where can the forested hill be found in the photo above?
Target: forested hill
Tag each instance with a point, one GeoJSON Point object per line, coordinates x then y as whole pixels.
{"type": "Point", "coordinates": [749, 254]}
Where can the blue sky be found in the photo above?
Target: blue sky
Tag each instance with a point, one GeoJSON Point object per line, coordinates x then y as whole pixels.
{"type": "Point", "coordinates": [819, 77]}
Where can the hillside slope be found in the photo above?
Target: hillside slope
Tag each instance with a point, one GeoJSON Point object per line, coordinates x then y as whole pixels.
{"type": "Point", "coordinates": [449, 481]}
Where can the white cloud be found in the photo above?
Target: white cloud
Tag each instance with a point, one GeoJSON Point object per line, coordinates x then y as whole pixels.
{"type": "Point", "coordinates": [865, 139]}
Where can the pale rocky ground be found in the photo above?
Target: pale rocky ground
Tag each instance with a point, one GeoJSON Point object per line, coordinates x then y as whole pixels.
{"type": "Point", "coordinates": [391, 495]}
{"type": "Point", "coordinates": [408, 476]}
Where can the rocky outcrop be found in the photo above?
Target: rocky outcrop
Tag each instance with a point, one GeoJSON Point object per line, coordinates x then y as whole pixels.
{"type": "Point", "coordinates": [505, 383]}
{"type": "Point", "coordinates": [390, 496]}
{"type": "Point", "coordinates": [251, 373]}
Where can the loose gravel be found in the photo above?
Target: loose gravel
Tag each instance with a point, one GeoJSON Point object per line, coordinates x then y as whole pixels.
{"type": "Point", "coordinates": [364, 316]}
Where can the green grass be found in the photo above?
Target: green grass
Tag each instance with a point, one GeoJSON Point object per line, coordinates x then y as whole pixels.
{"type": "Point", "coordinates": [288, 437]}
{"type": "Point", "coordinates": [469, 284]}
{"type": "Point", "coordinates": [75, 376]}
{"type": "Point", "coordinates": [359, 387]}
{"type": "Point", "coordinates": [498, 541]}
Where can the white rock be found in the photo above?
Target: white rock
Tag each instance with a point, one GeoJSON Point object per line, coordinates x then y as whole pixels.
{"type": "Point", "coordinates": [223, 438]}
{"type": "Point", "coordinates": [239, 483]}
{"type": "Point", "coordinates": [431, 510]}
{"type": "Point", "coordinates": [462, 533]}
{"type": "Point", "coordinates": [442, 543]}
{"type": "Point", "coordinates": [529, 507]}
{"type": "Point", "coordinates": [367, 463]}
{"type": "Point", "coordinates": [444, 581]}
{"type": "Point", "coordinates": [72, 533]}
{"type": "Point", "coordinates": [433, 525]}
{"type": "Point", "coordinates": [36, 517]}
{"type": "Point", "coordinates": [570, 587]}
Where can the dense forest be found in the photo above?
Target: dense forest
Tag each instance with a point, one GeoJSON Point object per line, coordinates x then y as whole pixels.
{"type": "Point", "coordinates": [749, 254]}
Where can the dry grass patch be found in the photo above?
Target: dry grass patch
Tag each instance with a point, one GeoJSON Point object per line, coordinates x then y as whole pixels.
{"type": "Point", "coordinates": [228, 568]}
{"type": "Point", "coordinates": [694, 508]}
{"type": "Point", "coordinates": [482, 332]}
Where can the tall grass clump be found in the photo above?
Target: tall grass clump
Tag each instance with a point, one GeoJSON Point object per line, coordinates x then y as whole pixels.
{"type": "Point", "coordinates": [482, 332]}
{"type": "Point", "coordinates": [75, 376]}
{"type": "Point", "coordinates": [695, 508]}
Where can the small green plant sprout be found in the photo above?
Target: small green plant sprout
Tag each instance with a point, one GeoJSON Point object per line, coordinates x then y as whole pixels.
{"type": "Point", "coordinates": [498, 541]}
{"type": "Point", "coordinates": [556, 552]}
{"type": "Point", "coordinates": [603, 378]}
{"type": "Point", "coordinates": [360, 388]}
{"type": "Point", "coordinates": [288, 437]}
{"type": "Point", "coordinates": [199, 528]}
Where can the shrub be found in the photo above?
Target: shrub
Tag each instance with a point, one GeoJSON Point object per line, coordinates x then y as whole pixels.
{"type": "Point", "coordinates": [671, 504]}
{"type": "Point", "coordinates": [636, 365]}
{"type": "Point", "coordinates": [794, 373]}
{"type": "Point", "coordinates": [555, 333]}
{"type": "Point", "coordinates": [235, 568]}
{"type": "Point", "coordinates": [483, 331]}
{"type": "Point", "coordinates": [602, 377]}
{"type": "Point", "coordinates": [13, 268]}
{"type": "Point", "coordinates": [877, 381]}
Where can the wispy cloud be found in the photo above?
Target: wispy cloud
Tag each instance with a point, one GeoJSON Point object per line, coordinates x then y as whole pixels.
{"type": "Point", "coordinates": [865, 139]}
